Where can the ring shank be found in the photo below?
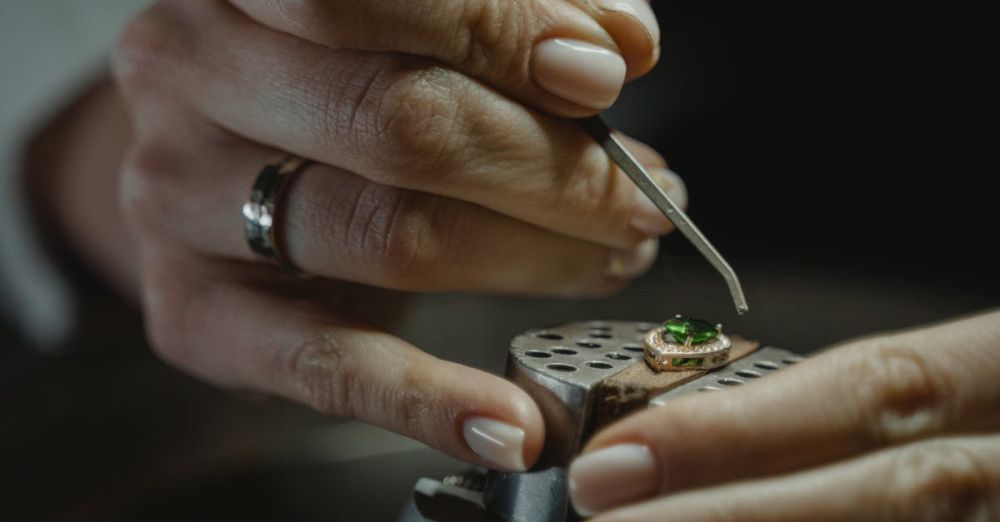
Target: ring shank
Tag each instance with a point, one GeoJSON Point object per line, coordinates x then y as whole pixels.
{"type": "Point", "coordinates": [261, 211]}
{"type": "Point", "coordinates": [663, 355]}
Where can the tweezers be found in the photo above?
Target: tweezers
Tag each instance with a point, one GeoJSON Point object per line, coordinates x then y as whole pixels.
{"type": "Point", "coordinates": [604, 136]}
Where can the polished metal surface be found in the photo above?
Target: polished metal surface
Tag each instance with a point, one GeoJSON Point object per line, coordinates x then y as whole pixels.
{"type": "Point", "coordinates": [560, 368]}
{"type": "Point", "coordinates": [757, 365]}
{"type": "Point", "coordinates": [260, 213]}
{"type": "Point", "coordinates": [582, 353]}
{"type": "Point", "coordinates": [604, 136]}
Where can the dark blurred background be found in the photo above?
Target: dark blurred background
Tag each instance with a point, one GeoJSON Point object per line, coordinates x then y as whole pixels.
{"type": "Point", "coordinates": [809, 140]}
{"type": "Point", "coordinates": [814, 132]}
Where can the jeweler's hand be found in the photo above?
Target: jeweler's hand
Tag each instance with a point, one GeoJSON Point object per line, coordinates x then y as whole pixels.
{"type": "Point", "coordinates": [901, 427]}
{"type": "Point", "coordinates": [443, 164]}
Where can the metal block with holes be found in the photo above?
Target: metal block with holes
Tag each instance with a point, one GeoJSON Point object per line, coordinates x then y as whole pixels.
{"type": "Point", "coordinates": [754, 366]}
{"type": "Point", "coordinates": [573, 372]}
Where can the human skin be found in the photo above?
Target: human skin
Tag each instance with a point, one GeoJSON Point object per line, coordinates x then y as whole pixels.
{"type": "Point", "coordinates": [895, 427]}
{"type": "Point", "coordinates": [192, 129]}
{"type": "Point", "coordinates": [446, 159]}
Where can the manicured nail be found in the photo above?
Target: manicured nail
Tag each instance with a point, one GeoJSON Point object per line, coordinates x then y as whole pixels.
{"type": "Point", "coordinates": [578, 71]}
{"type": "Point", "coordinates": [647, 218]}
{"type": "Point", "coordinates": [498, 443]}
{"type": "Point", "coordinates": [629, 264]}
{"type": "Point", "coordinates": [638, 9]}
{"type": "Point", "coordinates": [610, 477]}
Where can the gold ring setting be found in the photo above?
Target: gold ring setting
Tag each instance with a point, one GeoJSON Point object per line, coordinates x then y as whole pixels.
{"type": "Point", "coordinates": [685, 344]}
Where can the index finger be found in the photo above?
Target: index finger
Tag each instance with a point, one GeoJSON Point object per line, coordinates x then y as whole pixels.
{"type": "Point", "coordinates": [570, 60]}
{"type": "Point", "coordinates": [866, 395]}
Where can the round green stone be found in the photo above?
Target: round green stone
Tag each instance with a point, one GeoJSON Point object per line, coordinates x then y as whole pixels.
{"type": "Point", "coordinates": [699, 331]}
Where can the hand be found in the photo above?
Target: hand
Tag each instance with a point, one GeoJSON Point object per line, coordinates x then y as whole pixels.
{"type": "Point", "coordinates": [896, 428]}
{"type": "Point", "coordinates": [441, 166]}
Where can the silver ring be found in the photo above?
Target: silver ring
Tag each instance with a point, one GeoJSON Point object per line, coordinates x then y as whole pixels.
{"type": "Point", "coordinates": [261, 212]}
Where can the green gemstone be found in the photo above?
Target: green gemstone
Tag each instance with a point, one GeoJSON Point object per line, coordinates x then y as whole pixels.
{"type": "Point", "coordinates": [699, 331]}
{"type": "Point", "coordinates": [686, 362]}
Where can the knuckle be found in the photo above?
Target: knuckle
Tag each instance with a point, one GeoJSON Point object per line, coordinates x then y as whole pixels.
{"type": "Point", "coordinates": [402, 235]}
{"type": "Point", "coordinates": [419, 242]}
{"type": "Point", "coordinates": [146, 52]}
{"type": "Point", "coordinates": [585, 182]}
{"type": "Point", "coordinates": [414, 408]}
{"type": "Point", "coordinates": [146, 184]}
{"type": "Point", "coordinates": [321, 373]}
{"type": "Point", "coordinates": [900, 394]}
{"type": "Point", "coordinates": [491, 39]}
{"type": "Point", "coordinates": [938, 480]}
{"type": "Point", "coordinates": [345, 100]}
{"type": "Point", "coordinates": [595, 183]}
{"type": "Point", "coordinates": [328, 375]}
{"type": "Point", "coordinates": [418, 126]}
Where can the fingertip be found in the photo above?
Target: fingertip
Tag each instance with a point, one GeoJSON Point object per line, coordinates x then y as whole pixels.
{"type": "Point", "coordinates": [633, 26]}
{"type": "Point", "coordinates": [648, 156]}
{"type": "Point", "coordinates": [673, 184]}
{"type": "Point", "coordinates": [614, 475]}
{"type": "Point", "coordinates": [647, 217]}
{"type": "Point", "coordinates": [630, 264]}
{"type": "Point", "coordinates": [499, 444]}
{"type": "Point", "coordinates": [526, 414]}
{"type": "Point", "coordinates": [534, 426]}
{"type": "Point", "coordinates": [589, 75]}
{"type": "Point", "coordinates": [504, 429]}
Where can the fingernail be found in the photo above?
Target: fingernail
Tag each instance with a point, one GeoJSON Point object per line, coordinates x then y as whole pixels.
{"type": "Point", "coordinates": [498, 443]}
{"type": "Point", "coordinates": [647, 218]}
{"type": "Point", "coordinates": [629, 264]}
{"type": "Point", "coordinates": [610, 477]}
{"type": "Point", "coordinates": [638, 9]}
{"type": "Point", "coordinates": [578, 71]}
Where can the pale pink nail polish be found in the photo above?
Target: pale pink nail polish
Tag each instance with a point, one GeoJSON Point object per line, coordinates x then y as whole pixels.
{"type": "Point", "coordinates": [610, 477]}
{"type": "Point", "coordinates": [629, 264]}
{"type": "Point", "coordinates": [498, 443]}
{"type": "Point", "coordinates": [647, 218]}
{"type": "Point", "coordinates": [638, 9]}
{"type": "Point", "coordinates": [580, 72]}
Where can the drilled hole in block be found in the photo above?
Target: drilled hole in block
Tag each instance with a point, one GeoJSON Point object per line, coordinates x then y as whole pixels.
{"type": "Point", "coordinates": [537, 354]}
{"type": "Point", "coordinates": [632, 348]}
{"type": "Point", "coordinates": [767, 365]}
{"type": "Point", "coordinates": [564, 351]}
{"type": "Point", "coordinates": [600, 365]}
{"type": "Point", "coordinates": [749, 374]}
{"type": "Point", "coordinates": [709, 388]}
{"type": "Point", "coordinates": [729, 381]}
{"type": "Point", "coordinates": [600, 336]}
{"type": "Point", "coordinates": [559, 367]}
{"type": "Point", "coordinates": [792, 360]}
{"type": "Point", "coordinates": [549, 335]}
{"type": "Point", "coordinates": [618, 356]}
{"type": "Point", "coordinates": [587, 344]}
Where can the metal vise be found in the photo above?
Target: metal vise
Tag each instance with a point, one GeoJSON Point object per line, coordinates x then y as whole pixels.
{"type": "Point", "coordinates": [583, 376]}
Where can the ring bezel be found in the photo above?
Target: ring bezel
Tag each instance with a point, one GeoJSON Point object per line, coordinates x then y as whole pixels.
{"type": "Point", "coordinates": [663, 355]}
